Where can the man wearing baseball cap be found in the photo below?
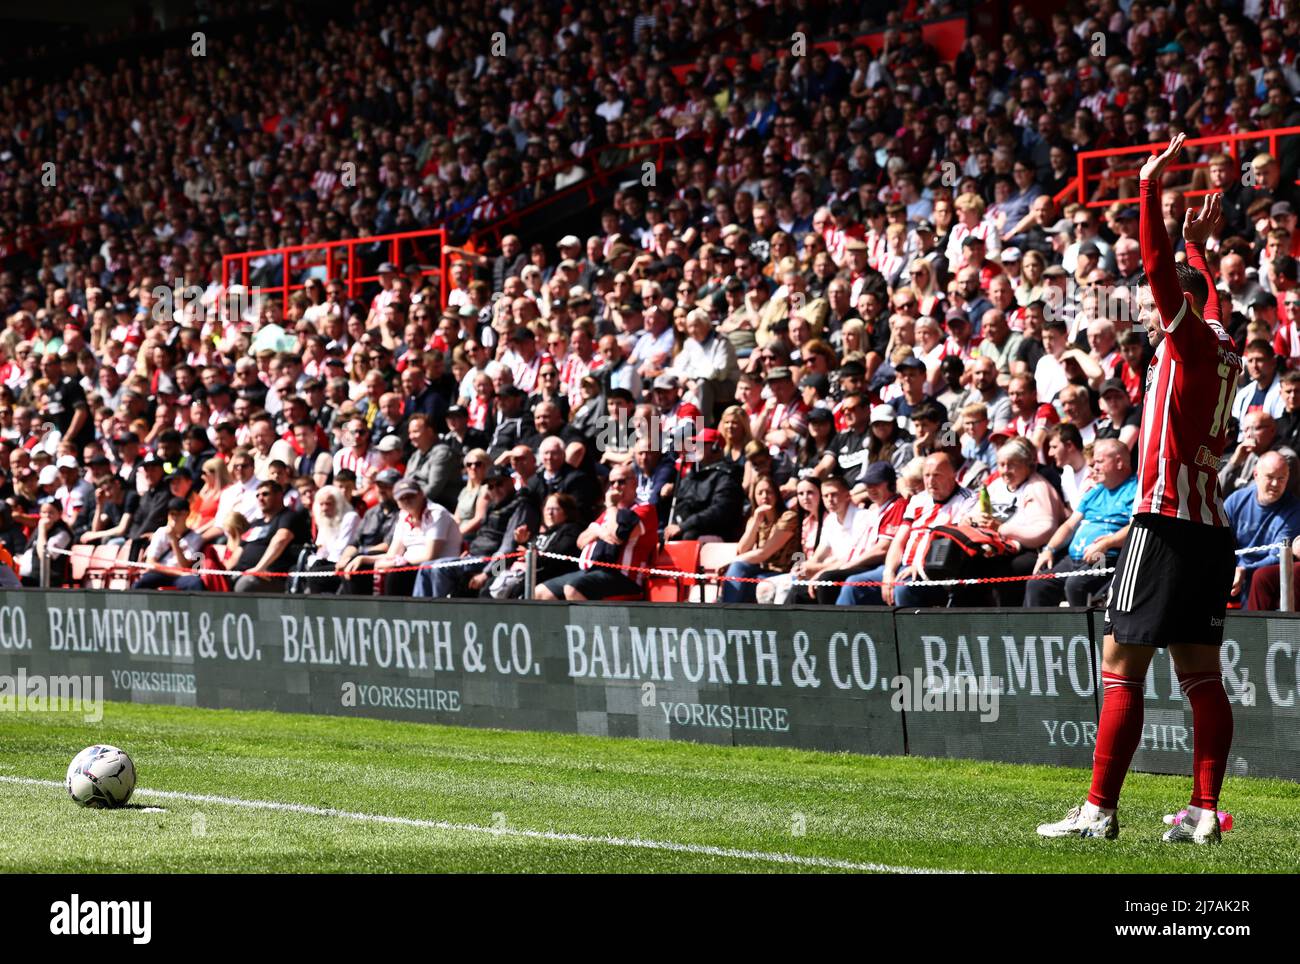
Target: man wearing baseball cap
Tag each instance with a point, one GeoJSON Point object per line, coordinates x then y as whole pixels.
{"type": "Point", "coordinates": [709, 499]}
{"type": "Point", "coordinates": [866, 561]}
{"type": "Point", "coordinates": [377, 525]}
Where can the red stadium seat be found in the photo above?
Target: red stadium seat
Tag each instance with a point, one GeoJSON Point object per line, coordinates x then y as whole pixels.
{"type": "Point", "coordinates": [79, 563]}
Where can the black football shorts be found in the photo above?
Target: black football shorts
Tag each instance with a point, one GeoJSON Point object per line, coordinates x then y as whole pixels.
{"type": "Point", "coordinates": [1171, 583]}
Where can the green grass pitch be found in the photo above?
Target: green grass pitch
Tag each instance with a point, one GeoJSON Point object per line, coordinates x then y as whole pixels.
{"type": "Point", "coordinates": [758, 806]}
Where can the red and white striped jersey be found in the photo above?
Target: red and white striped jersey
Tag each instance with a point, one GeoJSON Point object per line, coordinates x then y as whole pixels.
{"type": "Point", "coordinates": [1190, 386]}
{"type": "Point", "coordinates": [1286, 341]}
{"type": "Point", "coordinates": [363, 466]}
{"type": "Point", "coordinates": [923, 514]}
{"type": "Point", "coordinates": [639, 527]}
{"type": "Point", "coordinates": [986, 230]}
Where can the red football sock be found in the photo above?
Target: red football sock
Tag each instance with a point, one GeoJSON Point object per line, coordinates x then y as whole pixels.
{"type": "Point", "coordinates": [1211, 734]}
{"type": "Point", "coordinates": [1118, 736]}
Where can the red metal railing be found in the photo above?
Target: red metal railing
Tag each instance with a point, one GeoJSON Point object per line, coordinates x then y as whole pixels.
{"type": "Point", "coordinates": [1093, 165]}
{"type": "Point", "coordinates": [340, 261]}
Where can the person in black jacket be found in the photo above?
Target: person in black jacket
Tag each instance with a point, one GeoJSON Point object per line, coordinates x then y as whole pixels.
{"type": "Point", "coordinates": [709, 498]}
{"type": "Point", "coordinates": [508, 509]}
{"type": "Point", "coordinates": [151, 514]}
{"type": "Point", "coordinates": [557, 476]}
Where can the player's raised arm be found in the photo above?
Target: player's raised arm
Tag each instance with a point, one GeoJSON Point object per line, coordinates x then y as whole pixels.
{"type": "Point", "coordinates": [1157, 250]}
{"type": "Point", "coordinates": [1199, 227]}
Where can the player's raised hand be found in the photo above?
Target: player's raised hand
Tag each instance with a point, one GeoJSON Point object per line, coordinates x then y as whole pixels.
{"type": "Point", "coordinates": [1199, 226]}
{"type": "Point", "coordinates": [1156, 163]}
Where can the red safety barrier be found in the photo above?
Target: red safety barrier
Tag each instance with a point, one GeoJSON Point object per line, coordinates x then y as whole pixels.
{"type": "Point", "coordinates": [341, 263]}
{"type": "Point", "coordinates": [1094, 165]}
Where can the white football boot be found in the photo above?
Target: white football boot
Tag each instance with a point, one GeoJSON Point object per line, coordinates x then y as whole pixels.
{"type": "Point", "coordinates": [1202, 832]}
{"type": "Point", "coordinates": [1076, 824]}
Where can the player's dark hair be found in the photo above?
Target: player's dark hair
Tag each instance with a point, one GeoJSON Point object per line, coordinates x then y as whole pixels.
{"type": "Point", "coordinates": [1193, 282]}
{"type": "Point", "coordinates": [1261, 345]}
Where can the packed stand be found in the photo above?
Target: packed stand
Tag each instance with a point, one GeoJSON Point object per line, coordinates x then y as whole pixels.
{"type": "Point", "coordinates": [852, 338]}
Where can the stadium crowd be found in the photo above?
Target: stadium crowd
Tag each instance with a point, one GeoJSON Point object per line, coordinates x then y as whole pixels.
{"type": "Point", "coordinates": [859, 307]}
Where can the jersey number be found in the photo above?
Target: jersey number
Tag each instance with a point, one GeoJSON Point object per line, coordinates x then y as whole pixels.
{"type": "Point", "coordinates": [1225, 372]}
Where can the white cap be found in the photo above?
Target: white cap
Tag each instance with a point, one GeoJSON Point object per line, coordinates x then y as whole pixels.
{"type": "Point", "coordinates": [49, 475]}
{"type": "Point", "coordinates": [883, 413]}
{"type": "Point", "coordinates": [568, 240]}
{"type": "Point", "coordinates": [66, 462]}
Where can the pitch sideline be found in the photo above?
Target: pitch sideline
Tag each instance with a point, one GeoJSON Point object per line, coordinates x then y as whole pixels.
{"type": "Point", "coordinates": [704, 850]}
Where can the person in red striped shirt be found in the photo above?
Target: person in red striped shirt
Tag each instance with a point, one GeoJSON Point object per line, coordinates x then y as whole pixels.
{"type": "Point", "coordinates": [1174, 573]}
{"type": "Point", "coordinates": [624, 539]}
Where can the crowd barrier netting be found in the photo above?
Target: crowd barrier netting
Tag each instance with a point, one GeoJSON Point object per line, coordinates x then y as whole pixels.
{"type": "Point", "coordinates": [1017, 686]}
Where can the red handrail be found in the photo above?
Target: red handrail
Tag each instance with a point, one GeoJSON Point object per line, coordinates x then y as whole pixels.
{"type": "Point", "coordinates": [237, 264]}
{"type": "Point", "coordinates": [1231, 143]}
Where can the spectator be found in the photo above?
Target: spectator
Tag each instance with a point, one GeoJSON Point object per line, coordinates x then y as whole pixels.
{"type": "Point", "coordinates": [1258, 436]}
{"type": "Point", "coordinates": [151, 512]}
{"type": "Point", "coordinates": [1288, 425]}
{"type": "Point", "coordinates": [335, 524]}
{"type": "Point", "coordinates": [1264, 390]}
{"type": "Point", "coordinates": [51, 538]}
{"type": "Point", "coordinates": [766, 546]}
{"type": "Point", "coordinates": [558, 537]}
{"type": "Point", "coordinates": [1065, 449]}
{"type": "Point", "coordinates": [1120, 419]}
{"type": "Point", "coordinates": [977, 444]}
{"type": "Point", "coordinates": [942, 502]}
{"type": "Point", "coordinates": [113, 512]}
{"type": "Point", "coordinates": [709, 497]}
{"type": "Point", "coordinates": [557, 475]}
{"type": "Point", "coordinates": [1025, 510]}
{"type": "Point", "coordinates": [842, 525]}
{"type": "Point", "coordinates": [216, 479]}
{"type": "Point", "coordinates": [622, 538]}
{"type": "Point", "coordinates": [173, 546]}
{"type": "Point", "coordinates": [471, 502]}
{"type": "Point", "coordinates": [272, 542]}
{"type": "Point", "coordinates": [1262, 514]}
{"type": "Point", "coordinates": [375, 534]}
{"type": "Point", "coordinates": [984, 389]}
{"type": "Point", "coordinates": [655, 477]}
{"type": "Point", "coordinates": [1093, 534]}
{"type": "Point", "coordinates": [866, 558]}
{"type": "Point", "coordinates": [1076, 406]}
{"type": "Point", "coordinates": [1030, 419]}
{"type": "Point", "coordinates": [507, 509]}
{"type": "Point", "coordinates": [434, 465]}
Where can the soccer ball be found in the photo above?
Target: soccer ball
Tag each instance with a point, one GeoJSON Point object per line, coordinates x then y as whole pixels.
{"type": "Point", "coordinates": [101, 776]}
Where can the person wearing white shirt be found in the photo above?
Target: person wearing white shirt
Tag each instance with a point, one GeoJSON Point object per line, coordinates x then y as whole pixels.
{"type": "Point", "coordinates": [707, 364]}
{"type": "Point", "coordinates": [842, 527]}
{"type": "Point", "coordinates": [240, 496]}
{"type": "Point", "coordinates": [425, 532]}
{"type": "Point", "coordinates": [174, 545]}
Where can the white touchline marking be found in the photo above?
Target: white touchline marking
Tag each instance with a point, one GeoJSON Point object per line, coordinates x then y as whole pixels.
{"type": "Point", "coordinates": [704, 850]}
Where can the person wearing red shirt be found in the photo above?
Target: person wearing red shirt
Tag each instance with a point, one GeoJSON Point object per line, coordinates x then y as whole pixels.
{"type": "Point", "coordinates": [614, 550]}
{"type": "Point", "coordinates": [1175, 571]}
{"type": "Point", "coordinates": [1030, 418]}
